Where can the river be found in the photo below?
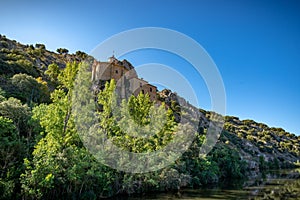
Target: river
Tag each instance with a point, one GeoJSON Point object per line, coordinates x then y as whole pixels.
{"type": "Point", "coordinates": [283, 184]}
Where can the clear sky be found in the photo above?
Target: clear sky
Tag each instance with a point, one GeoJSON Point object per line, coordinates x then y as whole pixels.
{"type": "Point", "coordinates": [255, 43]}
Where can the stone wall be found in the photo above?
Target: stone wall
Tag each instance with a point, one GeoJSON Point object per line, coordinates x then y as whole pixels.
{"type": "Point", "coordinates": [139, 85]}
{"type": "Point", "coordinates": [119, 71]}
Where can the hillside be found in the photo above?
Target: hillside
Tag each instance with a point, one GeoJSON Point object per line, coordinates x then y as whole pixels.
{"type": "Point", "coordinates": [30, 59]}
{"type": "Point", "coordinates": [42, 156]}
{"type": "Point", "coordinates": [258, 144]}
{"type": "Point", "coordinates": [258, 140]}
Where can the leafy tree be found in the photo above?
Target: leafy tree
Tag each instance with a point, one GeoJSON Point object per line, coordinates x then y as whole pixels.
{"type": "Point", "coordinates": [142, 127]}
{"type": "Point", "coordinates": [29, 90]}
{"type": "Point", "coordinates": [15, 61]}
{"type": "Point", "coordinates": [229, 162]}
{"type": "Point", "coordinates": [81, 55]}
{"type": "Point", "coordinates": [62, 51]}
{"type": "Point", "coordinates": [68, 75]}
{"type": "Point", "coordinates": [61, 166]}
{"type": "Point", "coordinates": [20, 114]}
{"type": "Point", "coordinates": [4, 44]}
{"type": "Point", "coordinates": [2, 95]}
{"type": "Point", "coordinates": [40, 46]}
{"type": "Point", "coordinates": [53, 72]}
{"type": "Point", "coordinates": [12, 152]}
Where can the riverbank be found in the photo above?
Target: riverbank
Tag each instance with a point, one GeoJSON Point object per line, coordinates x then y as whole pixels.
{"type": "Point", "coordinates": [275, 184]}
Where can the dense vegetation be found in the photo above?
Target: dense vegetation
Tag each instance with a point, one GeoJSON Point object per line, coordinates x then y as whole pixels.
{"type": "Point", "coordinates": [42, 156]}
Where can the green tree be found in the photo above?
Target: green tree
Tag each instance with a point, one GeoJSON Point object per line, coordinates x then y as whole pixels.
{"type": "Point", "coordinates": [68, 75]}
{"type": "Point", "coordinates": [12, 152]}
{"type": "Point", "coordinates": [136, 125]}
{"type": "Point", "coordinates": [40, 46]}
{"type": "Point", "coordinates": [29, 90]}
{"type": "Point", "coordinates": [20, 114]}
{"type": "Point", "coordinates": [229, 162]}
{"type": "Point", "coordinates": [81, 55]}
{"type": "Point", "coordinates": [62, 51]}
{"type": "Point", "coordinates": [53, 72]}
{"type": "Point", "coordinates": [2, 95]}
{"type": "Point", "coordinates": [61, 167]}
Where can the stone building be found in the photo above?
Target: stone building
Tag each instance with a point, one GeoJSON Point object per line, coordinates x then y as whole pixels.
{"type": "Point", "coordinates": [112, 69]}
{"type": "Point", "coordinates": [126, 78]}
{"type": "Point", "coordinates": [138, 85]}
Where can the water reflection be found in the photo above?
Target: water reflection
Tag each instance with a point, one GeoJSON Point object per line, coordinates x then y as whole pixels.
{"type": "Point", "coordinates": [284, 184]}
{"type": "Point", "coordinates": [277, 185]}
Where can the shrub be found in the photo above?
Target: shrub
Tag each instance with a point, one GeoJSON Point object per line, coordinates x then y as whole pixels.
{"type": "Point", "coordinates": [40, 46]}
{"type": "Point", "coordinates": [62, 51]}
{"type": "Point", "coordinates": [29, 90]}
{"type": "Point", "coordinates": [4, 44]}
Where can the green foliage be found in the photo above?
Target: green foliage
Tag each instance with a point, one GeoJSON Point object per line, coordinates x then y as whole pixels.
{"type": "Point", "coordinates": [2, 95]}
{"type": "Point", "coordinates": [15, 61]}
{"type": "Point", "coordinates": [142, 128]}
{"type": "Point", "coordinates": [59, 166]}
{"type": "Point", "coordinates": [81, 55]}
{"type": "Point", "coordinates": [29, 90]}
{"type": "Point", "coordinates": [68, 75]}
{"type": "Point", "coordinates": [36, 52]}
{"type": "Point", "coordinates": [17, 132]}
{"type": "Point", "coordinates": [229, 162]}
{"type": "Point", "coordinates": [20, 114]}
{"type": "Point", "coordinates": [53, 72]}
{"type": "Point", "coordinates": [262, 163]}
{"type": "Point", "coordinates": [12, 152]}
{"type": "Point", "coordinates": [250, 137]}
{"type": "Point", "coordinates": [271, 141]}
{"type": "Point", "coordinates": [40, 46]}
{"type": "Point", "coordinates": [62, 51]}
{"type": "Point", "coordinates": [4, 44]}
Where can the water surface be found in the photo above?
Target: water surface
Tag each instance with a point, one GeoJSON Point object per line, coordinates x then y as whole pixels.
{"type": "Point", "coordinates": [283, 184]}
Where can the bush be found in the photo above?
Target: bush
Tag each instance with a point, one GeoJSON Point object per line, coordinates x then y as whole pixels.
{"type": "Point", "coordinates": [12, 152]}
{"type": "Point", "coordinates": [29, 90]}
{"type": "Point", "coordinates": [81, 55]}
{"type": "Point", "coordinates": [250, 138]}
{"type": "Point", "coordinates": [4, 44]}
{"type": "Point", "coordinates": [229, 162]}
{"type": "Point", "coordinates": [40, 46]}
{"type": "Point", "coordinates": [62, 51]}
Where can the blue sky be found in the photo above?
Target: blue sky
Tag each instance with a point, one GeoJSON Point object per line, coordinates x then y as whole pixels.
{"type": "Point", "coordinates": [255, 44]}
